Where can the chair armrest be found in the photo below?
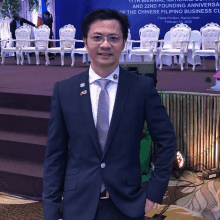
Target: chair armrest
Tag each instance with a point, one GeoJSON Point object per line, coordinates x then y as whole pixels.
{"type": "Point", "coordinates": [216, 46]}
{"type": "Point", "coordinates": [134, 41]}
{"type": "Point", "coordinates": [161, 44]}
{"type": "Point", "coordinates": [78, 40]}
{"type": "Point", "coordinates": [181, 45]}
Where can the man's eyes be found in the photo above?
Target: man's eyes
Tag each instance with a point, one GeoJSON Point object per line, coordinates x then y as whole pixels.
{"type": "Point", "coordinates": [113, 38]}
{"type": "Point", "coordinates": [97, 38]}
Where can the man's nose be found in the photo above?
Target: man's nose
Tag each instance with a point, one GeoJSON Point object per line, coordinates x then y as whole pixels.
{"type": "Point", "coordinates": [105, 43]}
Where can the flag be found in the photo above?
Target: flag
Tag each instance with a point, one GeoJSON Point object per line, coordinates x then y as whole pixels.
{"type": "Point", "coordinates": [39, 18]}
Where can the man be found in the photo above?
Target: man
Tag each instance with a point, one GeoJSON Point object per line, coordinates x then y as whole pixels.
{"type": "Point", "coordinates": [97, 119]}
{"type": "Point", "coordinates": [17, 22]}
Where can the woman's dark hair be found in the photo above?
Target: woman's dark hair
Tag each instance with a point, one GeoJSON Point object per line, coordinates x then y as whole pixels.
{"type": "Point", "coordinates": [49, 15]}
{"type": "Point", "coordinates": [105, 14]}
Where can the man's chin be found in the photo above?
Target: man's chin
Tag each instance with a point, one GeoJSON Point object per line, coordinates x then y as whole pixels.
{"type": "Point", "coordinates": [107, 63]}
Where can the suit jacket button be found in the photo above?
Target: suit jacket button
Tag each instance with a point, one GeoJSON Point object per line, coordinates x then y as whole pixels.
{"type": "Point", "coordinates": [103, 165]}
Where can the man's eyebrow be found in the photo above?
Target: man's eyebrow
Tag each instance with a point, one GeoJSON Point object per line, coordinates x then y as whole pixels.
{"type": "Point", "coordinates": [102, 34]}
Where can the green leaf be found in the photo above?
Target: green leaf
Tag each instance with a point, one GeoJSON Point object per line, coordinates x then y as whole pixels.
{"type": "Point", "coordinates": [208, 79]}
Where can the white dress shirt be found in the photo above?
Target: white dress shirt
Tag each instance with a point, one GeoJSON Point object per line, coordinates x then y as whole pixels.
{"type": "Point", "coordinates": [18, 24]}
{"type": "Point", "coordinates": [95, 90]}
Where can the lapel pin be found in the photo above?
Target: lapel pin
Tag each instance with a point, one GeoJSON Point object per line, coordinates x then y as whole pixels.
{"type": "Point", "coordinates": [83, 92]}
{"type": "Point", "coordinates": [82, 85]}
{"type": "Point", "coordinates": [115, 76]}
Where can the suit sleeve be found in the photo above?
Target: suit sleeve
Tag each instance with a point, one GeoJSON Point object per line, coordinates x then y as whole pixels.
{"type": "Point", "coordinates": [28, 22]}
{"type": "Point", "coordinates": [12, 29]}
{"type": "Point", "coordinates": [55, 160]}
{"type": "Point", "coordinates": [162, 133]}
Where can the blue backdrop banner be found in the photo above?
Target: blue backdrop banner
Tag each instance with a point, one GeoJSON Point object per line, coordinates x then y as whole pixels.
{"type": "Point", "coordinates": [163, 13]}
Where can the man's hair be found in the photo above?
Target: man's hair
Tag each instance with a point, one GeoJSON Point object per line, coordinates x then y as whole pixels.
{"type": "Point", "coordinates": [105, 14]}
{"type": "Point", "coordinates": [16, 16]}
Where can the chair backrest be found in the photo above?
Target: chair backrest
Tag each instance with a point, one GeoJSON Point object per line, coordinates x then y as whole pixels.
{"type": "Point", "coordinates": [23, 33]}
{"type": "Point", "coordinates": [66, 33]}
{"type": "Point", "coordinates": [149, 32]}
{"type": "Point", "coordinates": [178, 33]}
{"type": "Point", "coordinates": [128, 44]}
{"type": "Point", "coordinates": [210, 32]}
{"type": "Point", "coordinates": [195, 35]}
{"type": "Point", "coordinates": [42, 33]}
{"type": "Point", "coordinates": [167, 42]}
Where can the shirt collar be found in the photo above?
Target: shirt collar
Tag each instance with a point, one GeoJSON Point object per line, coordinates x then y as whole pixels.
{"type": "Point", "coordinates": [93, 76]}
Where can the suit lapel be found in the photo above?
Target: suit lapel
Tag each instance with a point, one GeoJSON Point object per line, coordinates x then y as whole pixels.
{"type": "Point", "coordinates": [121, 96]}
{"type": "Point", "coordinates": [85, 101]}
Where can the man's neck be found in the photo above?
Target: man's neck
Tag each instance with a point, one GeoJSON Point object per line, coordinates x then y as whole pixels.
{"type": "Point", "coordinates": [104, 72]}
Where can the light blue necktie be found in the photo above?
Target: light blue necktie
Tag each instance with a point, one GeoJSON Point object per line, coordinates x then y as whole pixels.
{"type": "Point", "coordinates": [102, 125]}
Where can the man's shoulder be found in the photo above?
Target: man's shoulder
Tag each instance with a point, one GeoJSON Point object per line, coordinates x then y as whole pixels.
{"type": "Point", "coordinates": [72, 80]}
{"type": "Point", "coordinates": [13, 21]}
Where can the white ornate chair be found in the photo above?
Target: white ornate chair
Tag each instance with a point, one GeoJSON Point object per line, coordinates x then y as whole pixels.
{"type": "Point", "coordinates": [127, 47]}
{"type": "Point", "coordinates": [22, 34]}
{"type": "Point", "coordinates": [23, 41]}
{"type": "Point", "coordinates": [82, 51]}
{"type": "Point", "coordinates": [167, 60]}
{"type": "Point", "coordinates": [67, 43]}
{"type": "Point", "coordinates": [5, 49]}
{"type": "Point", "coordinates": [210, 35]}
{"type": "Point", "coordinates": [179, 37]}
{"type": "Point", "coordinates": [149, 35]}
{"type": "Point", "coordinates": [42, 34]}
{"type": "Point", "coordinates": [195, 36]}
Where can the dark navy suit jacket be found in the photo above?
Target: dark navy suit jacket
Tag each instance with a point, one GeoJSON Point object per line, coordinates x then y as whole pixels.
{"type": "Point", "coordinates": [73, 157]}
{"type": "Point", "coordinates": [13, 25]}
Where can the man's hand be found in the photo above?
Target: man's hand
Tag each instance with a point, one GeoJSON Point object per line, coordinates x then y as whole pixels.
{"type": "Point", "coordinates": [148, 205]}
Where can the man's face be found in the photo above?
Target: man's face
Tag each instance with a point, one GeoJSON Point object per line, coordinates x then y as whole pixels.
{"type": "Point", "coordinates": [104, 43]}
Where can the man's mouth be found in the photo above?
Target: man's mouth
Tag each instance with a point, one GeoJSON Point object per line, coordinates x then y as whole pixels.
{"type": "Point", "coordinates": [105, 54]}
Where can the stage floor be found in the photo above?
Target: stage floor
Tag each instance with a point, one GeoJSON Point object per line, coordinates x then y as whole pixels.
{"type": "Point", "coordinates": [39, 80]}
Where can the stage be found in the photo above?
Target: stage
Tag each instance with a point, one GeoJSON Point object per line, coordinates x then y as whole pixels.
{"type": "Point", "coordinates": [39, 80]}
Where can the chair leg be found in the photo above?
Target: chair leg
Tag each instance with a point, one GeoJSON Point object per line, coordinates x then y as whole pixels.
{"type": "Point", "coordinates": [151, 58]}
{"type": "Point", "coordinates": [161, 62]}
{"type": "Point", "coordinates": [22, 58]}
{"type": "Point", "coordinates": [73, 59]}
{"type": "Point", "coordinates": [194, 63]}
{"type": "Point", "coordinates": [203, 62]}
{"type": "Point", "coordinates": [47, 59]}
{"type": "Point", "coordinates": [125, 58]}
{"type": "Point", "coordinates": [3, 58]}
{"type": "Point", "coordinates": [62, 59]}
{"type": "Point", "coordinates": [181, 61]}
{"type": "Point", "coordinates": [19, 56]}
{"type": "Point", "coordinates": [29, 60]}
{"type": "Point", "coordinates": [37, 58]}
{"type": "Point", "coordinates": [216, 63]}
{"type": "Point", "coordinates": [172, 57]}
{"type": "Point", "coordinates": [186, 62]}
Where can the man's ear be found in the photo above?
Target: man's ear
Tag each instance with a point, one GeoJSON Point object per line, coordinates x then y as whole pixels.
{"type": "Point", "coordinates": [85, 42]}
